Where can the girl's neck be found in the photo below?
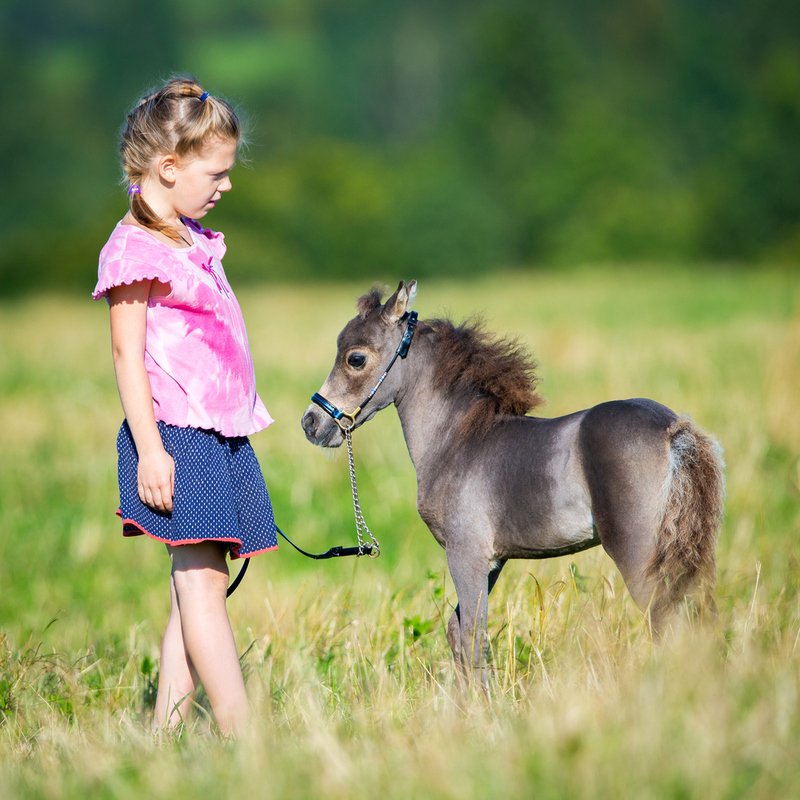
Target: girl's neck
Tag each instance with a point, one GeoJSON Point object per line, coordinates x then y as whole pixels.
{"type": "Point", "coordinates": [156, 193]}
{"type": "Point", "coordinates": [184, 243]}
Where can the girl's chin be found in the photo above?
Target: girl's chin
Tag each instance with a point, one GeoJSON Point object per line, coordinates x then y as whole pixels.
{"type": "Point", "coordinates": [201, 212]}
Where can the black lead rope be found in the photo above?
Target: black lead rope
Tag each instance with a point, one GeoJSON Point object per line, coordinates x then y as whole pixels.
{"type": "Point", "coordinates": [361, 549]}
{"type": "Point", "coordinates": [334, 552]}
{"type": "Point", "coordinates": [232, 588]}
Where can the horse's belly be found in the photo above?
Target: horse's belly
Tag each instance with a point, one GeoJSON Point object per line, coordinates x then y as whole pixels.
{"type": "Point", "coordinates": [552, 524]}
{"type": "Point", "coordinates": [569, 533]}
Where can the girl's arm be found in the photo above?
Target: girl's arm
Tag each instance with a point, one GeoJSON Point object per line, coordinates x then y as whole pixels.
{"type": "Point", "coordinates": [128, 325]}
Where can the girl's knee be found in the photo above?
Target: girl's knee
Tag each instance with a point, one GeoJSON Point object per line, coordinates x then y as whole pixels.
{"type": "Point", "coordinates": [201, 581]}
{"type": "Point", "coordinates": [200, 569]}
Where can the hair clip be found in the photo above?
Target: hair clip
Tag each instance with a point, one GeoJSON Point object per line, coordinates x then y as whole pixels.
{"type": "Point", "coordinates": [135, 189]}
{"type": "Point", "coordinates": [203, 97]}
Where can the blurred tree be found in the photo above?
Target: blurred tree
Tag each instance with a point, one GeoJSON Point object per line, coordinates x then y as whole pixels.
{"type": "Point", "coordinates": [418, 137]}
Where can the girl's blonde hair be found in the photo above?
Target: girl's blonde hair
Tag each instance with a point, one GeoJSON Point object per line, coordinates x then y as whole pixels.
{"type": "Point", "coordinates": [177, 119]}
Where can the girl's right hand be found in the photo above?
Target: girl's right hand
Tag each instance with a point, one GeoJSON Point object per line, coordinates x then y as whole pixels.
{"type": "Point", "coordinates": [156, 477]}
{"type": "Point", "coordinates": [156, 474]}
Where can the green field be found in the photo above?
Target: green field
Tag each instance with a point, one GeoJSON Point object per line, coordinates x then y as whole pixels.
{"type": "Point", "coordinates": [347, 664]}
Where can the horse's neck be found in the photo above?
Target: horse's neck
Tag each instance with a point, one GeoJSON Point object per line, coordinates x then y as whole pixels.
{"type": "Point", "coordinates": [428, 417]}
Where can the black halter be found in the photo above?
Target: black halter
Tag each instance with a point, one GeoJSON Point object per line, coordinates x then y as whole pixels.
{"type": "Point", "coordinates": [402, 351]}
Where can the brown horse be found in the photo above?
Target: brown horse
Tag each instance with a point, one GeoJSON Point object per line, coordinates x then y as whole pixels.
{"type": "Point", "coordinates": [495, 484]}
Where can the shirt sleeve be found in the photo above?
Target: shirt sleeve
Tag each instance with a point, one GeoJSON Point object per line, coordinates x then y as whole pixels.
{"type": "Point", "coordinates": [125, 272]}
{"type": "Point", "coordinates": [126, 262]}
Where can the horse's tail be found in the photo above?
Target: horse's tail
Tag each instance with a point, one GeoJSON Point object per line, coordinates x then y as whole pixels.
{"type": "Point", "coordinates": [692, 514]}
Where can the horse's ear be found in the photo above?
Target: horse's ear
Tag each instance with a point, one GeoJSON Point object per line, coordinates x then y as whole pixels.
{"type": "Point", "coordinates": [412, 294]}
{"type": "Point", "coordinates": [400, 301]}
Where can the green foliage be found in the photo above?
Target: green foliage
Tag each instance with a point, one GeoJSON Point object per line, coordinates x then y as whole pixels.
{"type": "Point", "coordinates": [434, 138]}
{"type": "Point", "coordinates": [418, 627]}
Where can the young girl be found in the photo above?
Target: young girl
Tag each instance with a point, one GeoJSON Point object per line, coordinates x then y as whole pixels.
{"type": "Point", "coordinates": [187, 473]}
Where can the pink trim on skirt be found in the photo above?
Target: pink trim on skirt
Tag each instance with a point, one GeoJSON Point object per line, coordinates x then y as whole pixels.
{"type": "Point", "coordinates": [127, 524]}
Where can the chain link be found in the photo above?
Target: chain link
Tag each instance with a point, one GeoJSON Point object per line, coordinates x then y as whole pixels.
{"type": "Point", "coordinates": [361, 525]}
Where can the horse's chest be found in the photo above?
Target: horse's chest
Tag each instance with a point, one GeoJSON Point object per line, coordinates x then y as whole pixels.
{"type": "Point", "coordinates": [435, 517]}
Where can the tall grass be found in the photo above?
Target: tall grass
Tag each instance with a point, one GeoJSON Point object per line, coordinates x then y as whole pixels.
{"type": "Point", "coordinates": [347, 665]}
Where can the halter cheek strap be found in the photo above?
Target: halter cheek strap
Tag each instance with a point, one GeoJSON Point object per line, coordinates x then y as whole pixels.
{"type": "Point", "coordinates": [402, 352]}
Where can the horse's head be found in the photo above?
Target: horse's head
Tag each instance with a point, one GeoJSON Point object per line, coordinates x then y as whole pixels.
{"type": "Point", "coordinates": [365, 348]}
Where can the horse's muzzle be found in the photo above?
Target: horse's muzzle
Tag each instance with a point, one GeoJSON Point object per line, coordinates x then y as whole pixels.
{"type": "Point", "coordinates": [320, 429]}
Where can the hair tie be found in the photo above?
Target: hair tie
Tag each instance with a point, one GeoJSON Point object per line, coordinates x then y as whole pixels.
{"type": "Point", "coordinates": [203, 97]}
{"type": "Point", "coordinates": [135, 189]}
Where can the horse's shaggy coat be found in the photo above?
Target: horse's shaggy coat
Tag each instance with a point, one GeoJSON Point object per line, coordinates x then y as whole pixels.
{"type": "Point", "coordinates": [695, 487]}
{"type": "Point", "coordinates": [494, 376]}
{"type": "Point", "coordinates": [495, 484]}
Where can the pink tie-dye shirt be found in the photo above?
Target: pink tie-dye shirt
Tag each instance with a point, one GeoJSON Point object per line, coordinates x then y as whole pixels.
{"type": "Point", "coordinates": [196, 351]}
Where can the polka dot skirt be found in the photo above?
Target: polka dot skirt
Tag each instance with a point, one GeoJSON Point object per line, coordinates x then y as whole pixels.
{"type": "Point", "coordinates": [220, 493]}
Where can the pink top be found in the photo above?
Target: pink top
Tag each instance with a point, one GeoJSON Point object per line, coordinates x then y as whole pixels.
{"type": "Point", "coordinates": [196, 351]}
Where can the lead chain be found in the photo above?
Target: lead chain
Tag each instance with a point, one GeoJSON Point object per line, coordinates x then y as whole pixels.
{"type": "Point", "coordinates": [361, 525]}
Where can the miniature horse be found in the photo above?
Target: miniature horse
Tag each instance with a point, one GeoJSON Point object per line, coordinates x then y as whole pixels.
{"type": "Point", "coordinates": [495, 484]}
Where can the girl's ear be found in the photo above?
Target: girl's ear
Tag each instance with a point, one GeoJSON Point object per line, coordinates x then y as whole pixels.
{"type": "Point", "coordinates": [167, 168]}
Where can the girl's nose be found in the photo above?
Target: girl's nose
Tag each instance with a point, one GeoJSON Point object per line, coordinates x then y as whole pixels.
{"type": "Point", "coordinates": [226, 185]}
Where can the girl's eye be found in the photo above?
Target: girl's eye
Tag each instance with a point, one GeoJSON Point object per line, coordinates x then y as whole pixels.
{"type": "Point", "coordinates": [356, 360]}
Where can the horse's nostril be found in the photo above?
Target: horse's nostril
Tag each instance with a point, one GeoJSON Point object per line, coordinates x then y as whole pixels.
{"type": "Point", "coordinates": [309, 423]}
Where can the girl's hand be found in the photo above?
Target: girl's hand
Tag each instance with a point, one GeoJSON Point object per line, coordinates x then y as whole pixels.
{"type": "Point", "coordinates": [156, 478]}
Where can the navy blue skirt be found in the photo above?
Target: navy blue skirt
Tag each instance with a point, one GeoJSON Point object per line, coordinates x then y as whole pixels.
{"type": "Point", "coordinates": [220, 494]}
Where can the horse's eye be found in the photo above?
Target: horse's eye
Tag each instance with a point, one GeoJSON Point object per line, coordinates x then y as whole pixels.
{"type": "Point", "coordinates": [356, 360]}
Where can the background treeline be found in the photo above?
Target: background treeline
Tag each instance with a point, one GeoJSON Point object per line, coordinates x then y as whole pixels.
{"type": "Point", "coordinates": [415, 138]}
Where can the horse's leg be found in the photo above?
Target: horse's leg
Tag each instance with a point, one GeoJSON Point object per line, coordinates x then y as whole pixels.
{"type": "Point", "coordinates": [626, 517]}
{"type": "Point", "coordinates": [454, 638]}
{"type": "Point", "coordinates": [630, 541]}
{"type": "Point", "coordinates": [625, 453]}
{"type": "Point", "coordinates": [656, 484]}
{"type": "Point", "coordinates": [454, 624]}
{"type": "Point", "coordinates": [474, 577]}
{"type": "Point", "coordinates": [626, 512]}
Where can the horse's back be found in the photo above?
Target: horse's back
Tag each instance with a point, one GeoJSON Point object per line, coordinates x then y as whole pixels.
{"type": "Point", "coordinates": [617, 421]}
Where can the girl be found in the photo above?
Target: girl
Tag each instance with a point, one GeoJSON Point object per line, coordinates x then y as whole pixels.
{"type": "Point", "coordinates": [187, 473]}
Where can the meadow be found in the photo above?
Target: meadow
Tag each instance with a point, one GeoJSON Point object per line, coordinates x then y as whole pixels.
{"type": "Point", "coordinates": [346, 662]}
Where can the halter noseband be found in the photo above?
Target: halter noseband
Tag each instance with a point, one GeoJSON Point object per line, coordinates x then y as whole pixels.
{"type": "Point", "coordinates": [402, 352]}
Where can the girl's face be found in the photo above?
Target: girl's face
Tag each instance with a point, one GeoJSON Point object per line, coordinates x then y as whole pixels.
{"type": "Point", "coordinates": [199, 183]}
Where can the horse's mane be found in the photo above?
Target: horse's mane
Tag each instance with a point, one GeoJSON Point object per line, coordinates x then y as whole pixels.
{"type": "Point", "coordinates": [496, 374]}
{"type": "Point", "coordinates": [370, 301]}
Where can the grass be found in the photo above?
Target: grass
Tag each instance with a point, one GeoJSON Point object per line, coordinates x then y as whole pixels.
{"type": "Point", "coordinates": [346, 662]}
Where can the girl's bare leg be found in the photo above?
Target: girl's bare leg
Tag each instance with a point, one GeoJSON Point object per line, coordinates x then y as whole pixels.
{"type": "Point", "coordinates": [177, 680]}
{"type": "Point", "coordinates": [200, 577]}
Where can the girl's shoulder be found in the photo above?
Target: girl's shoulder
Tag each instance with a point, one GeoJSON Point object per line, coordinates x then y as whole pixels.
{"type": "Point", "coordinates": [133, 243]}
{"type": "Point", "coordinates": [131, 254]}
